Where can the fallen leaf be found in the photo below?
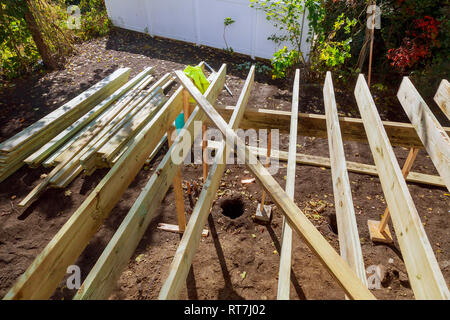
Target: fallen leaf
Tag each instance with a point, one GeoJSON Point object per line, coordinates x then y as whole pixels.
{"type": "Point", "coordinates": [67, 193]}
{"type": "Point", "coordinates": [243, 275]}
{"type": "Point", "coordinates": [140, 257]}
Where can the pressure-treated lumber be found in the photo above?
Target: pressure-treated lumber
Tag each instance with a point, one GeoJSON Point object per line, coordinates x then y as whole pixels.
{"type": "Point", "coordinates": [104, 132]}
{"type": "Point", "coordinates": [96, 93]}
{"type": "Point", "coordinates": [103, 276]}
{"type": "Point", "coordinates": [442, 97]}
{"type": "Point", "coordinates": [356, 167]}
{"type": "Point", "coordinates": [349, 244]}
{"type": "Point", "coordinates": [189, 243]}
{"type": "Point", "coordinates": [132, 121]}
{"type": "Point", "coordinates": [20, 146]}
{"type": "Point", "coordinates": [37, 157]}
{"type": "Point", "coordinates": [433, 136]}
{"type": "Point", "coordinates": [45, 273]}
{"type": "Point", "coordinates": [314, 125]}
{"type": "Point", "coordinates": [284, 273]}
{"type": "Point", "coordinates": [425, 276]}
{"type": "Point", "coordinates": [70, 157]}
{"type": "Point", "coordinates": [345, 276]}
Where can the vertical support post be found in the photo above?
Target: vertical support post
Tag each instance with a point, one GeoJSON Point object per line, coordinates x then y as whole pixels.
{"type": "Point", "coordinates": [178, 190]}
{"type": "Point", "coordinates": [269, 148]}
{"type": "Point", "coordinates": [372, 36]}
{"type": "Point", "coordinates": [405, 171]}
{"type": "Point", "coordinates": [204, 153]}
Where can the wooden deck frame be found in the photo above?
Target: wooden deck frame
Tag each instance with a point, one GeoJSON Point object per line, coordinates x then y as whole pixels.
{"type": "Point", "coordinates": [108, 268]}
{"type": "Point", "coordinates": [431, 133]}
{"type": "Point", "coordinates": [45, 273]}
{"type": "Point", "coordinates": [284, 273]}
{"type": "Point", "coordinates": [337, 267]}
{"type": "Point", "coordinates": [425, 276]}
{"type": "Point", "coordinates": [184, 255]}
{"type": "Point", "coordinates": [349, 243]}
{"type": "Point", "coordinates": [428, 282]}
{"type": "Point", "coordinates": [314, 125]}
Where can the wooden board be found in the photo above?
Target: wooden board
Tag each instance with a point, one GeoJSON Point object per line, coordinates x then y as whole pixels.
{"type": "Point", "coordinates": [337, 267]}
{"type": "Point", "coordinates": [314, 125]}
{"type": "Point", "coordinates": [433, 136]}
{"type": "Point", "coordinates": [442, 97]}
{"type": "Point", "coordinates": [108, 268]}
{"type": "Point", "coordinates": [191, 238]}
{"type": "Point", "coordinates": [356, 167]}
{"type": "Point", "coordinates": [284, 273]}
{"type": "Point", "coordinates": [424, 274]}
{"type": "Point", "coordinates": [349, 244]}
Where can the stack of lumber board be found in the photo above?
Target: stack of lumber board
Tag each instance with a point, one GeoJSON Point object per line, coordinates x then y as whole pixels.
{"type": "Point", "coordinates": [14, 150]}
{"type": "Point", "coordinates": [97, 138]}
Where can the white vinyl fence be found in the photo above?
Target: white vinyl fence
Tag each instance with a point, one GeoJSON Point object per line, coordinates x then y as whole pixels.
{"type": "Point", "coordinates": [201, 22]}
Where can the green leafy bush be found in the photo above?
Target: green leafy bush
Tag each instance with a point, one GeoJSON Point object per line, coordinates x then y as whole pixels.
{"type": "Point", "coordinates": [287, 17]}
{"type": "Point", "coordinates": [94, 19]}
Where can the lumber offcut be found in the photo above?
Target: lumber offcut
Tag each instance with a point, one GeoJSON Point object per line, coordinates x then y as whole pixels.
{"type": "Point", "coordinates": [342, 272]}
{"type": "Point", "coordinates": [424, 274]}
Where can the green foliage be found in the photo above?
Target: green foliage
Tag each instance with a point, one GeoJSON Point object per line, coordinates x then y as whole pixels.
{"type": "Point", "coordinates": [331, 52]}
{"type": "Point", "coordinates": [259, 67]}
{"type": "Point", "coordinates": [94, 19]}
{"type": "Point", "coordinates": [283, 62]}
{"type": "Point", "coordinates": [334, 25]}
{"type": "Point", "coordinates": [287, 17]}
{"type": "Point", "coordinates": [227, 22]}
{"type": "Point", "coordinates": [17, 49]}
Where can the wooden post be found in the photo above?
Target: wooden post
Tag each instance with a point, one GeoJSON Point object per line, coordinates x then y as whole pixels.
{"type": "Point", "coordinates": [372, 36]}
{"type": "Point", "coordinates": [269, 148]}
{"type": "Point", "coordinates": [405, 171]}
{"type": "Point", "coordinates": [204, 152]}
{"type": "Point", "coordinates": [178, 190]}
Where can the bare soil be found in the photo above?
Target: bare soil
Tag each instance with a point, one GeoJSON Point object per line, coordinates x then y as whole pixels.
{"type": "Point", "coordinates": [239, 259]}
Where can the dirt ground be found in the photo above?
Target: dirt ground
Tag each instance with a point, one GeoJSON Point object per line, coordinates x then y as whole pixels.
{"type": "Point", "coordinates": [239, 259]}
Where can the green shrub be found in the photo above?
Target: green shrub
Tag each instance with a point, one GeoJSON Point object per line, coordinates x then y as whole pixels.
{"type": "Point", "coordinates": [94, 19]}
